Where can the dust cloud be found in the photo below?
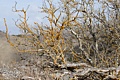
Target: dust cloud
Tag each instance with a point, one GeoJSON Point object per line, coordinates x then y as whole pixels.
{"type": "Point", "coordinates": [7, 53]}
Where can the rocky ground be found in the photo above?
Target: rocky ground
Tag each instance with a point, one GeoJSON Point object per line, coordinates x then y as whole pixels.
{"type": "Point", "coordinates": [25, 66]}
{"type": "Point", "coordinates": [22, 66]}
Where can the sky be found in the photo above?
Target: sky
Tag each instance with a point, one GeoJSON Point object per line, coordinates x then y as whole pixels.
{"type": "Point", "coordinates": [33, 13]}
{"type": "Point", "coordinates": [6, 12]}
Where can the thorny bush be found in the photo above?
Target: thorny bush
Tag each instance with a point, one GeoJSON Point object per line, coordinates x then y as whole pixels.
{"type": "Point", "coordinates": [77, 31]}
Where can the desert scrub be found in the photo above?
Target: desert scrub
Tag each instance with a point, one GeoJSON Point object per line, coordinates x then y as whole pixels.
{"type": "Point", "coordinates": [96, 32]}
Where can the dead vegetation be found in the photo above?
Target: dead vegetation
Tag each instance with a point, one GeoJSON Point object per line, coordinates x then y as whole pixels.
{"type": "Point", "coordinates": [92, 47]}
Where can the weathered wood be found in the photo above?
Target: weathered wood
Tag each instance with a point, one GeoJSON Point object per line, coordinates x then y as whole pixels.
{"type": "Point", "coordinates": [82, 70]}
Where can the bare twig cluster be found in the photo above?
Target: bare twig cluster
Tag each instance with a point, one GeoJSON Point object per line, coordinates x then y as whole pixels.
{"type": "Point", "coordinates": [96, 32]}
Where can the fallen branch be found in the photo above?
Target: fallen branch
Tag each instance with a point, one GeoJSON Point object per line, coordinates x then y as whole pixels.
{"type": "Point", "coordinates": [84, 70]}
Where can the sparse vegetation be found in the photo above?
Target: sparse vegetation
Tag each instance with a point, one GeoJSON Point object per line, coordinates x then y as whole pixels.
{"type": "Point", "coordinates": [80, 37]}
